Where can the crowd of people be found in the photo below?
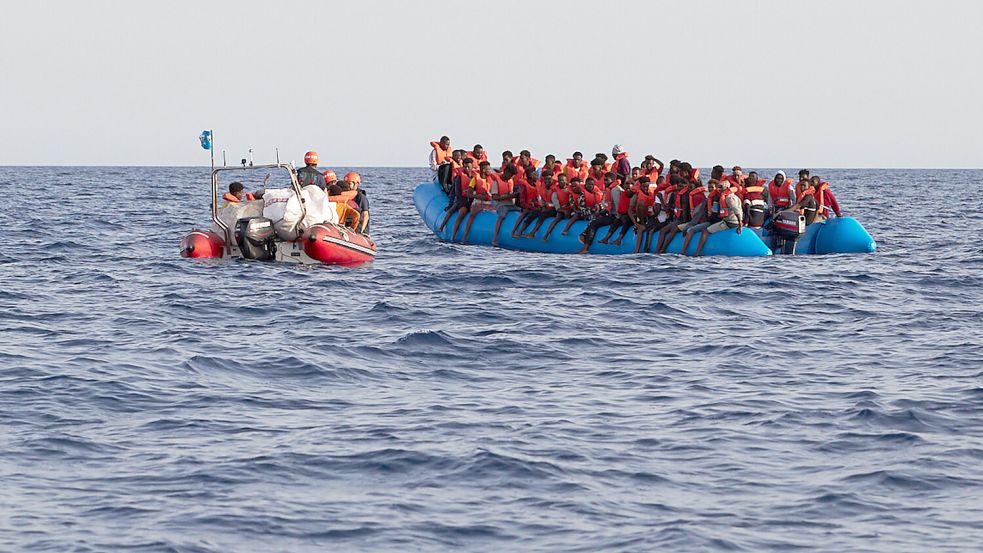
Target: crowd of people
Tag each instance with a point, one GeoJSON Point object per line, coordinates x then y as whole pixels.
{"type": "Point", "coordinates": [350, 200]}
{"type": "Point", "coordinates": [658, 202]}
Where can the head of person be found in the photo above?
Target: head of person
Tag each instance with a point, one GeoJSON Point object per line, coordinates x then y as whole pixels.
{"type": "Point", "coordinates": [578, 159]}
{"type": "Point", "coordinates": [656, 163]}
{"type": "Point", "coordinates": [803, 174]}
{"type": "Point", "coordinates": [685, 169]}
{"type": "Point", "coordinates": [737, 171]}
{"type": "Point", "coordinates": [507, 156]}
{"type": "Point", "coordinates": [648, 163]}
{"type": "Point", "coordinates": [661, 180]}
{"type": "Point", "coordinates": [643, 184]}
{"type": "Point", "coordinates": [353, 180]}
{"type": "Point", "coordinates": [617, 150]}
{"type": "Point", "coordinates": [546, 176]}
{"type": "Point", "coordinates": [484, 168]}
{"type": "Point", "coordinates": [816, 181]}
{"type": "Point", "coordinates": [468, 165]}
{"type": "Point", "coordinates": [780, 177]}
{"type": "Point", "coordinates": [236, 189]}
{"type": "Point", "coordinates": [676, 180]}
{"type": "Point", "coordinates": [561, 180]}
{"type": "Point", "coordinates": [531, 174]}
{"type": "Point", "coordinates": [525, 158]}
{"type": "Point", "coordinates": [753, 177]}
{"type": "Point", "coordinates": [717, 172]}
{"type": "Point", "coordinates": [596, 166]}
{"type": "Point", "coordinates": [575, 183]}
{"type": "Point", "coordinates": [589, 184]}
{"type": "Point", "coordinates": [713, 184]}
{"type": "Point", "coordinates": [550, 160]}
{"type": "Point", "coordinates": [509, 171]}
{"type": "Point", "coordinates": [609, 179]}
{"type": "Point", "coordinates": [311, 159]}
{"type": "Point", "coordinates": [336, 188]}
{"type": "Point", "coordinates": [477, 151]}
{"type": "Point", "coordinates": [329, 177]}
{"type": "Point", "coordinates": [674, 167]}
{"type": "Point", "coordinates": [636, 172]}
{"type": "Point", "coordinates": [445, 142]}
{"type": "Point", "coordinates": [457, 155]}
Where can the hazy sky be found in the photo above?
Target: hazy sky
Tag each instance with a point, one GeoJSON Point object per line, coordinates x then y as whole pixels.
{"type": "Point", "coordinates": [860, 83]}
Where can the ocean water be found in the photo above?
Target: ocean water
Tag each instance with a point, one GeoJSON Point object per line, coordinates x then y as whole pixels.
{"type": "Point", "coordinates": [453, 397]}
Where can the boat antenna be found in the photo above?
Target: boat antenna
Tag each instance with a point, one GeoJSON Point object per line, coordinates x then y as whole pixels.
{"type": "Point", "coordinates": [277, 155]}
{"type": "Point", "coordinates": [250, 157]}
{"type": "Point", "coordinates": [223, 159]}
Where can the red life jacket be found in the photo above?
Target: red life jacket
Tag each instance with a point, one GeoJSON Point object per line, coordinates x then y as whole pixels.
{"type": "Point", "coordinates": [779, 194]}
{"type": "Point", "coordinates": [484, 157]}
{"type": "Point", "coordinates": [648, 200]}
{"type": "Point", "coordinates": [465, 180]}
{"type": "Point", "coordinates": [563, 195]}
{"type": "Point", "coordinates": [820, 196]}
{"type": "Point", "coordinates": [624, 202]}
{"type": "Point", "coordinates": [572, 171]}
{"type": "Point", "coordinates": [712, 205]}
{"type": "Point", "coordinates": [528, 196]}
{"type": "Point", "coordinates": [677, 208]}
{"type": "Point", "coordinates": [598, 179]}
{"type": "Point", "coordinates": [722, 209]}
{"type": "Point", "coordinates": [696, 196]}
{"type": "Point", "coordinates": [545, 191]}
{"type": "Point", "coordinates": [592, 199]}
{"type": "Point", "coordinates": [504, 186]}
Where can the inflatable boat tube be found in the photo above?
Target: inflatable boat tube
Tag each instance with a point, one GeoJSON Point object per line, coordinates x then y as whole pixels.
{"type": "Point", "coordinates": [430, 201]}
{"type": "Point", "coordinates": [837, 235]}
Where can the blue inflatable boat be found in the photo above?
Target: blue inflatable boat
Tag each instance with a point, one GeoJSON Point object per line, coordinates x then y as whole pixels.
{"type": "Point", "coordinates": [839, 235]}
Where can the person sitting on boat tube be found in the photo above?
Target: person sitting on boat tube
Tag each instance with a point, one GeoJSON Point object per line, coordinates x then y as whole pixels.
{"type": "Point", "coordinates": [479, 190]}
{"type": "Point", "coordinates": [460, 202]}
{"type": "Point", "coordinates": [235, 194]}
{"type": "Point", "coordinates": [440, 161]}
{"type": "Point", "coordinates": [360, 202]}
{"type": "Point", "coordinates": [504, 193]}
{"type": "Point", "coordinates": [308, 174]}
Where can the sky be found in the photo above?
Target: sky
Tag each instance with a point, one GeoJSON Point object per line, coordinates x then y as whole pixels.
{"type": "Point", "coordinates": [869, 83]}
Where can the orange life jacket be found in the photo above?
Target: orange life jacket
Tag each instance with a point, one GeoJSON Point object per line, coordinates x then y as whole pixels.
{"type": "Point", "coordinates": [480, 187]}
{"type": "Point", "coordinates": [563, 195]}
{"type": "Point", "coordinates": [230, 198]}
{"type": "Point", "coordinates": [443, 156]}
{"type": "Point", "coordinates": [572, 171]}
{"type": "Point", "coordinates": [722, 210]}
{"type": "Point", "coordinates": [779, 194]}
{"type": "Point", "coordinates": [592, 198]}
{"type": "Point", "coordinates": [696, 196]}
{"type": "Point", "coordinates": [648, 200]}
{"type": "Point", "coordinates": [484, 157]}
{"type": "Point", "coordinates": [504, 186]}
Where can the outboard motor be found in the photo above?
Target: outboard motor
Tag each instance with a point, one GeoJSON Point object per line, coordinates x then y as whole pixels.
{"type": "Point", "coordinates": [255, 238]}
{"type": "Point", "coordinates": [786, 228]}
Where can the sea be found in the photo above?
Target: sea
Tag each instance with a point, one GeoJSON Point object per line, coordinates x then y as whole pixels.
{"type": "Point", "coordinates": [461, 398]}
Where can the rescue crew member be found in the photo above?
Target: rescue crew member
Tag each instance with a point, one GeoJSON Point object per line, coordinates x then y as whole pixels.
{"type": "Point", "coordinates": [308, 174]}
{"type": "Point", "coordinates": [361, 201]}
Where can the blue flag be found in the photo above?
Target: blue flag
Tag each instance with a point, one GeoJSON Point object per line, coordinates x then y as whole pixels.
{"type": "Point", "coordinates": [206, 139]}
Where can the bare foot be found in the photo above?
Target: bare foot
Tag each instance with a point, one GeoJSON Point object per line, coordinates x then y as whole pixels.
{"type": "Point", "coordinates": [564, 233]}
{"type": "Point", "coordinates": [616, 243]}
{"type": "Point", "coordinates": [603, 240]}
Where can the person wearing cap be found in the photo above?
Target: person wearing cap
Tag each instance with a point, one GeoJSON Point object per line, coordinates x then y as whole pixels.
{"type": "Point", "coordinates": [308, 174]}
{"type": "Point", "coordinates": [331, 182]}
{"type": "Point", "coordinates": [621, 166]}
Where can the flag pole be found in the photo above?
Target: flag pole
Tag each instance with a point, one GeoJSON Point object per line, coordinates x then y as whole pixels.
{"type": "Point", "coordinates": [212, 149]}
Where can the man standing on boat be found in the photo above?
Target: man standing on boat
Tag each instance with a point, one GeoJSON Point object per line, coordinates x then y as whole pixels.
{"type": "Point", "coordinates": [308, 174]}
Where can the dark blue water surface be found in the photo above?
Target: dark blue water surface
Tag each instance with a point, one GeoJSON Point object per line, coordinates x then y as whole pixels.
{"type": "Point", "coordinates": [451, 397]}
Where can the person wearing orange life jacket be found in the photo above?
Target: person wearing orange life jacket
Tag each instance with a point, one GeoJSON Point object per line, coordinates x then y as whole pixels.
{"type": "Point", "coordinates": [708, 212]}
{"type": "Point", "coordinates": [806, 202]}
{"type": "Point", "coordinates": [691, 209]}
{"type": "Point", "coordinates": [543, 202]}
{"type": "Point", "coordinates": [478, 154]}
{"type": "Point", "coordinates": [605, 213]}
{"type": "Point", "coordinates": [507, 158]}
{"type": "Point", "coordinates": [460, 200]}
{"type": "Point", "coordinates": [528, 200]}
{"type": "Point", "coordinates": [754, 200]}
{"type": "Point", "coordinates": [308, 174]}
{"type": "Point", "coordinates": [651, 167]}
{"type": "Point", "coordinates": [504, 194]}
{"type": "Point", "coordinates": [552, 165]}
{"type": "Point", "coordinates": [330, 182]}
{"type": "Point", "coordinates": [345, 201]}
{"type": "Point", "coordinates": [621, 165]}
{"type": "Point", "coordinates": [730, 217]}
{"type": "Point", "coordinates": [440, 162]}
{"type": "Point", "coordinates": [604, 161]}
{"type": "Point", "coordinates": [660, 214]}
{"type": "Point", "coordinates": [564, 201]}
{"type": "Point", "coordinates": [620, 202]}
{"type": "Point", "coordinates": [526, 161]}
{"type": "Point", "coordinates": [596, 172]}
{"type": "Point", "coordinates": [780, 193]}
{"type": "Point", "coordinates": [641, 208]}
{"type": "Point", "coordinates": [236, 193]}
{"type": "Point", "coordinates": [479, 190]}
{"type": "Point", "coordinates": [360, 202]}
{"type": "Point", "coordinates": [576, 167]}
{"type": "Point", "coordinates": [587, 201]}
{"type": "Point", "coordinates": [824, 198]}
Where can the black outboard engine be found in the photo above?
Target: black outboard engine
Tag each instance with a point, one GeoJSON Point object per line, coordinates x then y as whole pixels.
{"type": "Point", "coordinates": [255, 238]}
{"type": "Point", "coordinates": [786, 228]}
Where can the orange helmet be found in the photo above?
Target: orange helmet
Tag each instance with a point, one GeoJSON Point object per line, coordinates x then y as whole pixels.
{"type": "Point", "coordinates": [330, 177]}
{"type": "Point", "coordinates": [353, 177]}
{"type": "Point", "coordinates": [310, 158]}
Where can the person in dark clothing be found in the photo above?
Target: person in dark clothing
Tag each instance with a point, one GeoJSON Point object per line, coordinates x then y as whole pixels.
{"type": "Point", "coordinates": [308, 174]}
